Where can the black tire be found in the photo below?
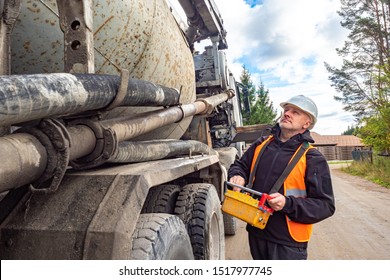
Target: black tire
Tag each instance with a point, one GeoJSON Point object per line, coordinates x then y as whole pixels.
{"type": "Point", "coordinates": [161, 199]}
{"type": "Point", "coordinates": [199, 207]}
{"type": "Point", "coordinates": [160, 236]}
{"type": "Point", "coordinates": [230, 224]}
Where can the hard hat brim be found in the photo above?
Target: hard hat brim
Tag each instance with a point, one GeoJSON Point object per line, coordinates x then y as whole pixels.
{"type": "Point", "coordinates": [312, 118]}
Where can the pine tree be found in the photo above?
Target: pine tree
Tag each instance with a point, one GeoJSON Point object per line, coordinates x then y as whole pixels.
{"type": "Point", "coordinates": [248, 95]}
{"type": "Point", "coordinates": [366, 56]}
{"type": "Point", "coordinates": [350, 131]}
{"type": "Point", "coordinates": [262, 111]}
{"type": "Point", "coordinates": [261, 108]}
{"type": "Point", "coordinates": [364, 77]}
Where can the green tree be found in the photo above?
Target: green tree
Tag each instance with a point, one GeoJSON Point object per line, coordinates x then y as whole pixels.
{"type": "Point", "coordinates": [350, 131]}
{"type": "Point", "coordinates": [376, 133]}
{"type": "Point", "coordinates": [261, 108]}
{"type": "Point", "coordinates": [363, 78]}
{"type": "Point", "coordinates": [365, 53]}
{"type": "Point", "coordinates": [377, 129]}
{"type": "Point", "coordinates": [249, 93]}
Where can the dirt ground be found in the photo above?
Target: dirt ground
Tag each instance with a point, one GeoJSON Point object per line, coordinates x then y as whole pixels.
{"type": "Point", "coordinates": [359, 230]}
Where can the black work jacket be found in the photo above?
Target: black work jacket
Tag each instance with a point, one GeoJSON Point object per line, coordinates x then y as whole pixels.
{"type": "Point", "coordinates": [319, 203]}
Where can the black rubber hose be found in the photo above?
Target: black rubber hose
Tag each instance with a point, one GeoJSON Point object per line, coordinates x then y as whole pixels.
{"type": "Point", "coordinates": [30, 97]}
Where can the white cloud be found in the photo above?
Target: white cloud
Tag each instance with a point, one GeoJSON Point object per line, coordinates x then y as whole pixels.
{"type": "Point", "coordinates": [285, 44]}
{"type": "Point", "coordinates": [288, 42]}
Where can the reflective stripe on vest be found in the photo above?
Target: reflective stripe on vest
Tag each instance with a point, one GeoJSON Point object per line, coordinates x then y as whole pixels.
{"type": "Point", "coordinates": [294, 185]}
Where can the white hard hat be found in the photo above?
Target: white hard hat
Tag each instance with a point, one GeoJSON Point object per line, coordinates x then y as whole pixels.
{"type": "Point", "coordinates": [305, 104]}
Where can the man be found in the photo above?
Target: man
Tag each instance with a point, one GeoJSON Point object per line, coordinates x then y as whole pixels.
{"type": "Point", "coordinates": [306, 196]}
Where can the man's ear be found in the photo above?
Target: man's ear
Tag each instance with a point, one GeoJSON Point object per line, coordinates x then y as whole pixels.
{"type": "Point", "coordinates": [307, 124]}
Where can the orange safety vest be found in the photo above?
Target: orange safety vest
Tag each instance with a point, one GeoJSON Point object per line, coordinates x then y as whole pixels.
{"type": "Point", "coordinates": [294, 185]}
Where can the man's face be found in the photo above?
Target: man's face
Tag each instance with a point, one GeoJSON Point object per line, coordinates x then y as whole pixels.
{"type": "Point", "coordinates": [294, 119]}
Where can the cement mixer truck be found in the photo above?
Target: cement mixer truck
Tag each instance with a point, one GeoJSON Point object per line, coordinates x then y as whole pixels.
{"type": "Point", "coordinates": [116, 133]}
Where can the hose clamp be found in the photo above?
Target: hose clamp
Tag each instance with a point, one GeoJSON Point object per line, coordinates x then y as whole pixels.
{"type": "Point", "coordinates": [54, 136]}
{"type": "Point", "coordinates": [122, 91]}
{"type": "Point", "coordinates": [208, 107]}
{"type": "Point", "coordinates": [106, 145]}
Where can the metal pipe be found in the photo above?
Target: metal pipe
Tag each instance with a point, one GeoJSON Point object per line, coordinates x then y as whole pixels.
{"type": "Point", "coordinates": [195, 22]}
{"type": "Point", "coordinates": [217, 99]}
{"type": "Point", "coordinates": [31, 157]}
{"type": "Point", "coordinates": [130, 127]}
{"type": "Point", "coordinates": [27, 157]}
{"type": "Point", "coordinates": [128, 152]}
{"type": "Point", "coordinates": [23, 160]}
{"type": "Point", "coordinates": [188, 8]}
{"type": "Point", "coordinates": [30, 97]}
{"type": "Point", "coordinates": [82, 139]}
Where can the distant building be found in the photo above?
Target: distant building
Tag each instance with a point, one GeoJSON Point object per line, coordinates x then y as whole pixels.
{"type": "Point", "coordinates": [337, 147]}
{"type": "Point", "coordinates": [333, 147]}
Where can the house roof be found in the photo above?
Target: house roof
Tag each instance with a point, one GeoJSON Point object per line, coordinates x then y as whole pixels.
{"type": "Point", "coordinates": [336, 140]}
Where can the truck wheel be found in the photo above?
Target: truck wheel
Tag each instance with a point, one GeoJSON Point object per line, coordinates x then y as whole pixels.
{"type": "Point", "coordinates": [161, 199]}
{"type": "Point", "coordinates": [199, 207]}
{"type": "Point", "coordinates": [229, 223]}
{"type": "Point", "coordinates": [160, 236]}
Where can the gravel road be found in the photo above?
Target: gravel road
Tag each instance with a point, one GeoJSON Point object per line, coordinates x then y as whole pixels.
{"type": "Point", "coordinates": [359, 230]}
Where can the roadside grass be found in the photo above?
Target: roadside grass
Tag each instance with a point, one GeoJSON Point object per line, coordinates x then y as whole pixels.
{"type": "Point", "coordinates": [378, 171]}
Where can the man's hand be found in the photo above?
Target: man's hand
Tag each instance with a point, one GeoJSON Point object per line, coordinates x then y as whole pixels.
{"type": "Point", "coordinates": [238, 180]}
{"type": "Point", "coordinates": [277, 201]}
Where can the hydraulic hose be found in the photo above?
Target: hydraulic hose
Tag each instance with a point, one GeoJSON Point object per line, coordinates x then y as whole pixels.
{"type": "Point", "coordinates": [30, 97]}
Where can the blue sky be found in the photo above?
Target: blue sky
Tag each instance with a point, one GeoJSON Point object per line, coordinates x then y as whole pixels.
{"type": "Point", "coordinates": [253, 3]}
{"type": "Point", "coordinates": [284, 44]}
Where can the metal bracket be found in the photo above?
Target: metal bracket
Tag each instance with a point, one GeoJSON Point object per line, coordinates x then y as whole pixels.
{"type": "Point", "coordinates": [122, 91]}
{"type": "Point", "coordinates": [106, 145]}
{"type": "Point", "coordinates": [231, 93]}
{"type": "Point", "coordinates": [76, 23]}
{"type": "Point", "coordinates": [11, 11]}
{"type": "Point", "coordinates": [209, 108]}
{"type": "Point", "coordinates": [56, 139]}
{"type": "Point", "coordinates": [182, 113]}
